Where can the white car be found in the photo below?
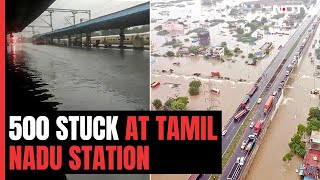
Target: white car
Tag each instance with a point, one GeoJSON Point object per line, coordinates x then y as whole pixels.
{"type": "Point", "coordinates": [259, 100]}
{"type": "Point", "coordinates": [251, 125]}
{"type": "Point", "coordinates": [224, 132]}
{"type": "Point", "coordinates": [241, 161]}
{"type": "Point", "coordinates": [251, 136]}
{"type": "Point", "coordinates": [274, 93]}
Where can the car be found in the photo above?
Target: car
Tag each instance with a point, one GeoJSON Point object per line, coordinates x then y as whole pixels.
{"type": "Point", "coordinates": [238, 159]}
{"type": "Point", "coordinates": [280, 47]}
{"type": "Point", "coordinates": [274, 93]}
{"type": "Point", "coordinates": [251, 125]}
{"type": "Point", "coordinates": [251, 136]}
{"type": "Point", "coordinates": [241, 161]}
{"type": "Point", "coordinates": [224, 132]}
{"type": "Point", "coordinates": [259, 100]}
{"type": "Point", "coordinates": [243, 144]}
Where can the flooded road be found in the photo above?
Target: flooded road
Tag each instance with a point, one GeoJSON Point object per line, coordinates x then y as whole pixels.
{"type": "Point", "coordinates": [292, 112]}
{"type": "Point", "coordinates": [88, 79]}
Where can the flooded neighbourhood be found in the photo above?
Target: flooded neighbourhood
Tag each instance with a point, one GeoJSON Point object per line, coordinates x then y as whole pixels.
{"type": "Point", "coordinates": [227, 46]}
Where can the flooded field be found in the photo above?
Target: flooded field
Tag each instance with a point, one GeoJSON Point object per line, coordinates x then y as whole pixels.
{"type": "Point", "coordinates": [293, 111]}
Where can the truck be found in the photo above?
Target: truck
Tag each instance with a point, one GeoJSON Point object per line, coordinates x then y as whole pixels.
{"type": "Point", "coordinates": [253, 90]}
{"type": "Point", "coordinates": [250, 143]}
{"type": "Point", "coordinates": [257, 128]}
{"type": "Point", "coordinates": [245, 101]}
{"type": "Point", "coordinates": [268, 104]}
{"type": "Point", "coordinates": [241, 113]}
{"type": "Point", "coordinates": [235, 170]}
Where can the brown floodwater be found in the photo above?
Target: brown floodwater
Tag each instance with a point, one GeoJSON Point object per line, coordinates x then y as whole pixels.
{"type": "Point", "coordinates": [293, 111]}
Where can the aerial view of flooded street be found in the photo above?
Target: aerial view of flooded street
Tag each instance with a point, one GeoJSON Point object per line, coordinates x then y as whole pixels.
{"type": "Point", "coordinates": [223, 55]}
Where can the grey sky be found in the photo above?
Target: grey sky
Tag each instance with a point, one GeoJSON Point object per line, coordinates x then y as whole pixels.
{"type": "Point", "coordinates": [98, 8]}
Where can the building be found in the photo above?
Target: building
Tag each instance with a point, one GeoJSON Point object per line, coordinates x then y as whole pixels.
{"type": "Point", "coordinates": [310, 169]}
{"type": "Point", "coordinates": [183, 50]}
{"type": "Point", "coordinates": [265, 46]}
{"type": "Point", "coordinates": [315, 140]}
{"type": "Point", "coordinates": [204, 38]}
{"type": "Point", "coordinates": [259, 54]}
{"type": "Point", "coordinates": [216, 52]}
{"type": "Point", "coordinates": [172, 26]}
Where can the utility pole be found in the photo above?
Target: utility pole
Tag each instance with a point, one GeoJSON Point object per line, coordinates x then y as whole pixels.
{"type": "Point", "coordinates": [50, 14]}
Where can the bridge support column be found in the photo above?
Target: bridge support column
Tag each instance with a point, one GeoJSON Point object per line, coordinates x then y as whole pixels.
{"type": "Point", "coordinates": [80, 39]}
{"type": "Point", "coordinates": [58, 41]}
{"type": "Point", "coordinates": [88, 40]}
{"type": "Point", "coordinates": [69, 40]}
{"type": "Point", "coordinates": [51, 40]}
{"type": "Point", "coordinates": [121, 38]}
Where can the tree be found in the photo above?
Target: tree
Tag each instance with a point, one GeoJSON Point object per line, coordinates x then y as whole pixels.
{"type": "Point", "coordinates": [314, 112]}
{"type": "Point", "coordinates": [239, 30]}
{"type": "Point", "coordinates": [157, 104]}
{"type": "Point", "coordinates": [195, 84]}
{"type": "Point", "coordinates": [179, 104]}
{"type": "Point", "coordinates": [193, 91]}
{"type": "Point", "coordinates": [193, 49]}
{"type": "Point", "coordinates": [237, 50]}
{"type": "Point", "coordinates": [313, 125]}
{"type": "Point", "coordinates": [288, 156]}
{"type": "Point", "coordinates": [301, 129]}
{"type": "Point", "coordinates": [250, 55]}
{"type": "Point", "coordinates": [170, 53]}
{"type": "Point", "coordinates": [302, 12]}
{"type": "Point", "coordinates": [223, 44]}
{"type": "Point", "coordinates": [264, 20]}
{"type": "Point", "coordinates": [267, 51]}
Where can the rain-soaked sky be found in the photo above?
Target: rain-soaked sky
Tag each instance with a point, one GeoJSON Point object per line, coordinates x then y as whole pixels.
{"type": "Point", "coordinates": [63, 19]}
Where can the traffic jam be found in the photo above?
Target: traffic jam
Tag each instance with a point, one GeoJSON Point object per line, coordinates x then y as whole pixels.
{"type": "Point", "coordinates": [248, 144]}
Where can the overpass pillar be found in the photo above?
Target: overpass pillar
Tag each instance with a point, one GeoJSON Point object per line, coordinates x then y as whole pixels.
{"type": "Point", "coordinates": [58, 41]}
{"type": "Point", "coordinates": [88, 40]}
{"type": "Point", "coordinates": [80, 39]}
{"type": "Point", "coordinates": [121, 38]}
{"type": "Point", "coordinates": [69, 40]}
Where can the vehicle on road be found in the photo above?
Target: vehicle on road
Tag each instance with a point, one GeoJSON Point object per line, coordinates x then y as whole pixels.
{"type": "Point", "coordinates": [257, 128]}
{"type": "Point", "coordinates": [241, 113]}
{"type": "Point", "coordinates": [244, 143]}
{"type": "Point", "coordinates": [259, 100]}
{"type": "Point", "coordinates": [245, 101]}
{"type": "Point", "coordinates": [251, 125]}
{"type": "Point", "coordinates": [253, 90]}
{"type": "Point", "coordinates": [280, 47]}
{"type": "Point", "coordinates": [268, 104]}
{"type": "Point", "coordinates": [241, 161]}
{"type": "Point", "coordinates": [275, 92]}
{"type": "Point", "coordinates": [194, 176]}
{"type": "Point", "coordinates": [251, 143]}
{"type": "Point", "coordinates": [251, 136]}
{"type": "Point", "coordinates": [224, 132]}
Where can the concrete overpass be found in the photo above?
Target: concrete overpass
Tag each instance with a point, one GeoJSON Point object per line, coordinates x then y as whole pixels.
{"type": "Point", "coordinates": [133, 16]}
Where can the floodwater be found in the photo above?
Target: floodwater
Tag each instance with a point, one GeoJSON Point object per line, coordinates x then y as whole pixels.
{"type": "Point", "coordinates": [292, 112]}
{"type": "Point", "coordinates": [234, 68]}
{"type": "Point", "coordinates": [88, 79]}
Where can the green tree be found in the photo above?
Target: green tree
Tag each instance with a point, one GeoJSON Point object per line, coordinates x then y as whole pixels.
{"type": "Point", "coordinates": [193, 49]}
{"type": "Point", "coordinates": [179, 104]}
{"type": "Point", "coordinates": [239, 30]}
{"type": "Point", "coordinates": [250, 55]}
{"type": "Point", "coordinates": [223, 44]}
{"type": "Point", "coordinates": [264, 20]}
{"type": "Point", "coordinates": [237, 50]}
{"type": "Point", "coordinates": [195, 84]}
{"type": "Point", "coordinates": [193, 90]}
{"type": "Point", "coordinates": [157, 104]}
{"type": "Point", "coordinates": [267, 51]}
{"type": "Point", "coordinates": [288, 156]}
{"type": "Point", "coordinates": [313, 125]}
{"type": "Point", "coordinates": [314, 112]}
{"type": "Point", "coordinates": [170, 53]}
{"type": "Point", "coordinates": [301, 129]}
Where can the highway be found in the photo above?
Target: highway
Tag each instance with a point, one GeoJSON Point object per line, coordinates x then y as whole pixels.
{"type": "Point", "coordinates": [258, 114]}
{"type": "Point", "coordinates": [233, 126]}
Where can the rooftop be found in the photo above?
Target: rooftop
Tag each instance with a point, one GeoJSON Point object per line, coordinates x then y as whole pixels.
{"type": "Point", "coordinates": [315, 137]}
{"type": "Point", "coordinates": [312, 164]}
